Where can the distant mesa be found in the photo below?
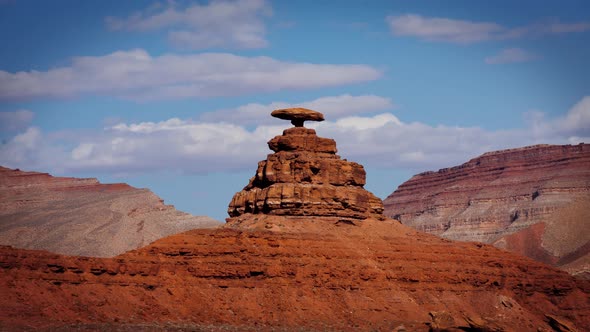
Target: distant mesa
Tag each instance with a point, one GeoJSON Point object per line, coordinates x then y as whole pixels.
{"type": "Point", "coordinates": [75, 216]}
{"type": "Point", "coordinates": [533, 201]}
{"type": "Point", "coordinates": [298, 115]}
{"type": "Point", "coordinates": [305, 177]}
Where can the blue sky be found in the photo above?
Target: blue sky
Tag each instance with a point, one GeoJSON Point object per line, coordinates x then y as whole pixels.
{"type": "Point", "coordinates": [176, 96]}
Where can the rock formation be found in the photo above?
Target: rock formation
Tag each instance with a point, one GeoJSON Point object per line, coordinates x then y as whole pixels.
{"type": "Point", "coordinates": [84, 217]}
{"type": "Point", "coordinates": [534, 201]}
{"type": "Point", "coordinates": [305, 177]}
{"type": "Point", "coordinates": [292, 275]}
{"type": "Point", "coordinates": [297, 115]}
{"type": "Point", "coordinates": [301, 264]}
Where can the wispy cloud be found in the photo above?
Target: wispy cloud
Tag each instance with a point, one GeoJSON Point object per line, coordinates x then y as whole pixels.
{"type": "Point", "coordinates": [568, 27]}
{"type": "Point", "coordinates": [220, 23]}
{"type": "Point", "coordinates": [510, 55]}
{"type": "Point", "coordinates": [137, 75]}
{"type": "Point", "coordinates": [442, 29]}
{"type": "Point", "coordinates": [465, 32]}
{"type": "Point", "coordinates": [15, 121]}
{"type": "Point", "coordinates": [333, 107]}
{"type": "Point", "coordinates": [381, 140]}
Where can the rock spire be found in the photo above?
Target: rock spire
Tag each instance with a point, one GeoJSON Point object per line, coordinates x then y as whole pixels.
{"type": "Point", "coordinates": [305, 177]}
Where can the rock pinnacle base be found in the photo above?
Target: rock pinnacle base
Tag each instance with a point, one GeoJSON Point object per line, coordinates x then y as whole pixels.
{"type": "Point", "coordinates": [305, 177]}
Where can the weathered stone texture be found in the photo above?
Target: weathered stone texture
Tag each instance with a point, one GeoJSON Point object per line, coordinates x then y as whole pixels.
{"type": "Point", "coordinates": [532, 200]}
{"type": "Point", "coordinates": [83, 216]}
{"type": "Point", "coordinates": [305, 177]}
{"type": "Point", "coordinates": [298, 115]}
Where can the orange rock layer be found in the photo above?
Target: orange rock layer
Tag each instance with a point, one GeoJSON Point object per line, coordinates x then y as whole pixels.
{"type": "Point", "coordinates": [293, 274]}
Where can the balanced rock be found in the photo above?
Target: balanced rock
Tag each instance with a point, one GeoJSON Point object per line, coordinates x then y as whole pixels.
{"type": "Point", "coordinates": [305, 177]}
{"type": "Point", "coordinates": [298, 115]}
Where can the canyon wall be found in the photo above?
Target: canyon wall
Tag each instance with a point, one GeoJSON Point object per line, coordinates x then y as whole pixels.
{"type": "Point", "coordinates": [534, 201]}
{"type": "Point", "coordinates": [84, 217]}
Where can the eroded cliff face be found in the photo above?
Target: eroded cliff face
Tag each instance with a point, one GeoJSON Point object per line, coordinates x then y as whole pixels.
{"type": "Point", "coordinates": [293, 273]}
{"type": "Point", "coordinates": [84, 217]}
{"type": "Point", "coordinates": [534, 201]}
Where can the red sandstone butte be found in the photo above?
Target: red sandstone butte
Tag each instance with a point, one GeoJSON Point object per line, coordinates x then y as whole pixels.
{"type": "Point", "coordinates": [82, 216]}
{"type": "Point", "coordinates": [534, 201]}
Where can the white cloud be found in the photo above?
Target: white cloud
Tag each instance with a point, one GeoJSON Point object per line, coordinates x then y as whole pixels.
{"type": "Point", "coordinates": [15, 121]}
{"type": "Point", "coordinates": [82, 151]}
{"type": "Point", "coordinates": [30, 149]}
{"type": "Point", "coordinates": [333, 107]}
{"type": "Point", "coordinates": [220, 23]}
{"type": "Point", "coordinates": [442, 29]}
{"type": "Point", "coordinates": [380, 140]}
{"type": "Point", "coordinates": [137, 75]}
{"type": "Point", "coordinates": [465, 32]}
{"type": "Point", "coordinates": [577, 120]}
{"type": "Point", "coordinates": [29, 139]}
{"type": "Point", "coordinates": [510, 55]}
{"type": "Point", "coordinates": [362, 123]}
{"type": "Point", "coordinates": [569, 27]}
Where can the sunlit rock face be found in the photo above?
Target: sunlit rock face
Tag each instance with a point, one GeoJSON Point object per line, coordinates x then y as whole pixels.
{"type": "Point", "coordinates": [533, 200]}
{"type": "Point", "coordinates": [305, 177]}
{"type": "Point", "coordinates": [74, 216]}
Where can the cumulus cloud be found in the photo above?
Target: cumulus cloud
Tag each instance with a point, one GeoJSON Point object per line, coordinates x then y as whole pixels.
{"type": "Point", "coordinates": [465, 32]}
{"type": "Point", "coordinates": [15, 121]}
{"type": "Point", "coordinates": [137, 75]}
{"type": "Point", "coordinates": [576, 123]}
{"type": "Point", "coordinates": [220, 23]}
{"type": "Point", "coordinates": [510, 55]}
{"type": "Point", "coordinates": [28, 148]}
{"type": "Point", "coordinates": [381, 140]}
{"type": "Point", "coordinates": [333, 107]}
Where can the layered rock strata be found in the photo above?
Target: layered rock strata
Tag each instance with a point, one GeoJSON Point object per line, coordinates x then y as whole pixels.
{"type": "Point", "coordinates": [305, 177]}
{"type": "Point", "coordinates": [534, 201]}
{"type": "Point", "coordinates": [279, 274]}
{"type": "Point", "coordinates": [84, 217]}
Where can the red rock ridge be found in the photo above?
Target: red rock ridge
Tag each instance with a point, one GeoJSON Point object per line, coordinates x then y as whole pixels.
{"type": "Point", "coordinates": [82, 216]}
{"type": "Point", "coordinates": [292, 273]}
{"type": "Point", "coordinates": [497, 198]}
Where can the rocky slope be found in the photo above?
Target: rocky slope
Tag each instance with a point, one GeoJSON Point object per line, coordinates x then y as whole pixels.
{"type": "Point", "coordinates": [82, 216]}
{"type": "Point", "coordinates": [293, 273]}
{"type": "Point", "coordinates": [534, 201]}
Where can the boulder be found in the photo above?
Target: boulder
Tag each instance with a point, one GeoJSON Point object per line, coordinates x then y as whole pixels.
{"type": "Point", "coordinates": [298, 115]}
